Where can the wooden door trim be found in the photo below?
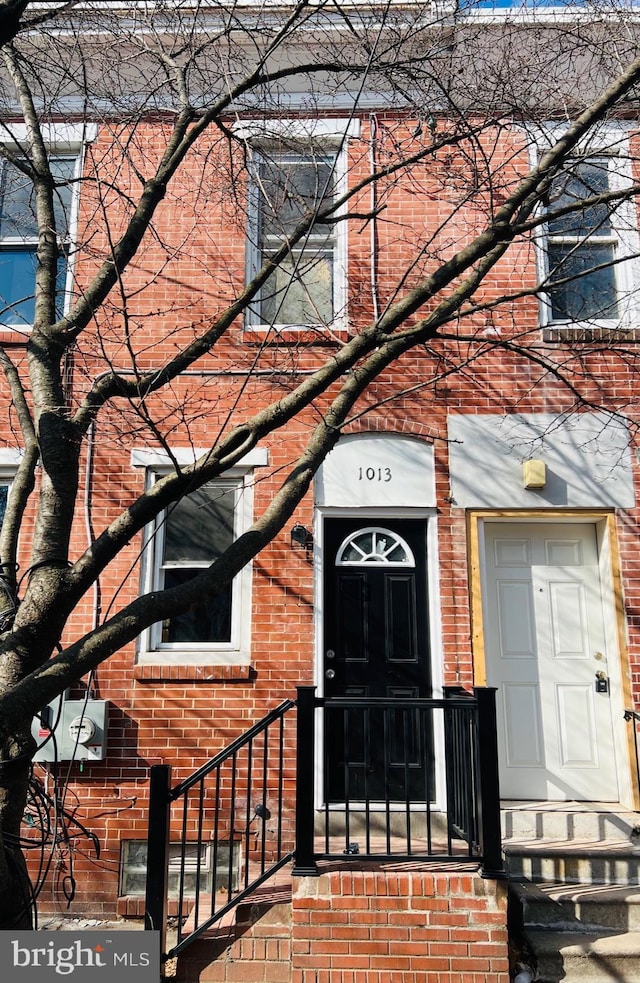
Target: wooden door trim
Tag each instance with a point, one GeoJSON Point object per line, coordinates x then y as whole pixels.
{"type": "Point", "coordinates": [604, 522]}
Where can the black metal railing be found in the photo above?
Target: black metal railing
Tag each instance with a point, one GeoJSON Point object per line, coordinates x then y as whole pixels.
{"type": "Point", "coordinates": [230, 830]}
{"type": "Point", "coordinates": [633, 715]}
{"type": "Point", "coordinates": [380, 793]}
{"type": "Point", "coordinates": [247, 813]}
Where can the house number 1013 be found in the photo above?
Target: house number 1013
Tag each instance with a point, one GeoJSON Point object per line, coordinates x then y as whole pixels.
{"type": "Point", "coordinates": [374, 474]}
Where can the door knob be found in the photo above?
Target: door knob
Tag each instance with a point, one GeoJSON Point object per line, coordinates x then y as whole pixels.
{"type": "Point", "coordinates": [330, 673]}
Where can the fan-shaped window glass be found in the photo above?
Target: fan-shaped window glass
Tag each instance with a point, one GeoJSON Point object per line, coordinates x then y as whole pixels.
{"type": "Point", "coordinates": [374, 545]}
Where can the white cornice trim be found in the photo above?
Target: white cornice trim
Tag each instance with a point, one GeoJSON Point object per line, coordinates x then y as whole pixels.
{"type": "Point", "coordinates": [57, 135]}
{"type": "Point", "coordinates": [145, 458]}
{"type": "Point", "coordinates": [298, 128]}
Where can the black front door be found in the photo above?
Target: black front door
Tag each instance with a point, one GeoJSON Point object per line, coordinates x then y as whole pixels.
{"type": "Point", "coordinates": [376, 645]}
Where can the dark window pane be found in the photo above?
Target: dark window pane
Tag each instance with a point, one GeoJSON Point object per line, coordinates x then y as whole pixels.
{"type": "Point", "coordinates": [200, 527]}
{"type": "Point", "coordinates": [206, 622]}
{"type": "Point", "coordinates": [4, 493]}
{"type": "Point", "coordinates": [290, 187]}
{"type": "Point", "coordinates": [589, 295]}
{"type": "Point", "coordinates": [17, 283]}
{"type": "Point", "coordinates": [583, 181]}
{"type": "Point", "coordinates": [17, 204]}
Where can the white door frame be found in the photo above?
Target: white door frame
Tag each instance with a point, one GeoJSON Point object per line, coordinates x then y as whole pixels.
{"type": "Point", "coordinates": [618, 666]}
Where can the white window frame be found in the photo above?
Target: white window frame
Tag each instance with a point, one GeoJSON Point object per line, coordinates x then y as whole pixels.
{"type": "Point", "coordinates": [9, 462]}
{"type": "Point", "coordinates": [303, 138]}
{"type": "Point", "coordinates": [609, 144]}
{"type": "Point", "coordinates": [65, 140]}
{"type": "Point", "coordinates": [237, 651]}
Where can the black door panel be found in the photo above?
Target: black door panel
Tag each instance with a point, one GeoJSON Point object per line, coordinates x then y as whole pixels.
{"type": "Point", "coordinates": [376, 645]}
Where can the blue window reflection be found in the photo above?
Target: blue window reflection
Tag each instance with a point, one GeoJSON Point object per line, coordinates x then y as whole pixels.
{"type": "Point", "coordinates": [19, 238]}
{"type": "Point", "coordinates": [17, 280]}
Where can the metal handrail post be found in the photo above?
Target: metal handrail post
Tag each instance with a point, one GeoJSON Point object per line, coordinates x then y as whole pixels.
{"type": "Point", "coordinates": [489, 786]}
{"type": "Point", "coordinates": [155, 914]}
{"type": "Point", "coordinates": [305, 861]}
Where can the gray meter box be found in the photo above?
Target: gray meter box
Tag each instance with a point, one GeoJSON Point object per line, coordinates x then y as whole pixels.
{"type": "Point", "coordinates": [79, 728]}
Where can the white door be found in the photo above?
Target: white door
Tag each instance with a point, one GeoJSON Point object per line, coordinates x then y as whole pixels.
{"type": "Point", "coordinates": [544, 644]}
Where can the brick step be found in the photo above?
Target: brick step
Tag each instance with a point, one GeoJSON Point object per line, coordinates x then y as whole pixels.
{"type": "Point", "coordinates": [573, 862]}
{"type": "Point", "coordinates": [585, 957]}
{"type": "Point", "coordinates": [250, 943]}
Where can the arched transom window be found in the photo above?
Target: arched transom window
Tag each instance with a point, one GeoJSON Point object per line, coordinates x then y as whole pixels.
{"type": "Point", "coordinates": [374, 545]}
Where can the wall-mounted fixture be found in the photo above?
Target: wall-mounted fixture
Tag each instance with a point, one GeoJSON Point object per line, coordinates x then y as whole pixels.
{"type": "Point", "coordinates": [534, 474]}
{"type": "Point", "coordinates": [301, 538]}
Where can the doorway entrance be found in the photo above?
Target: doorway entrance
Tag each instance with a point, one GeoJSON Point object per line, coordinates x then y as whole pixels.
{"type": "Point", "coordinates": [546, 651]}
{"type": "Point", "coordinates": [376, 647]}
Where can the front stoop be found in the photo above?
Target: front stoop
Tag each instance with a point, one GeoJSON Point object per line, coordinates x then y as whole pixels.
{"type": "Point", "coordinates": [574, 871]}
{"type": "Point", "coordinates": [378, 922]}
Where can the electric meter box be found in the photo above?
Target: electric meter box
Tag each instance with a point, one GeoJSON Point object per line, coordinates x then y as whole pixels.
{"type": "Point", "coordinates": [80, 731]}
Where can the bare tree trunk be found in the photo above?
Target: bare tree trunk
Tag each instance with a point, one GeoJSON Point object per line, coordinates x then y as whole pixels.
{"type": "Point", "coordinates": [16, 907]}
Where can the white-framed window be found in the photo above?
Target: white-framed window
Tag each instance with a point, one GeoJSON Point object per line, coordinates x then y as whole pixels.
{"type": "Point", "coordinates": [185, 539]}
{"type": "Point", "coordinates": [287, 187]}
{"type": "Point", "coordinates": [19, 238]}
{"type": "Point", "coordinates": [9, 463]}
{"type": "Point", "coordinates": [297, 167]}
{"type": "Point", "coordinates": [588, 256]}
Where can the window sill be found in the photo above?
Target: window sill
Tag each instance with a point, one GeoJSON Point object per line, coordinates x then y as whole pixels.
{"type": "Point", "coordinates": [10, 335]}
{"type": "Point", "coordinates": [267, 335]}
{"type": "Point", "coordinates": [575, 333]}
{"type": "Point", "coordinates": [194, 673]}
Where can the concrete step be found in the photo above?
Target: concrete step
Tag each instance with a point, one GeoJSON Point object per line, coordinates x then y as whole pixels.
{"type": "Point", "coordinates": [578, 907]}
{"type": "Point", "coordinates": [586, 957]}
{"type": "Point", "coordinates": [569, 821]}
{"type": "Point", "coordinates": [573, 862]}
{"type": "Point", "coordinates": [575, 889]}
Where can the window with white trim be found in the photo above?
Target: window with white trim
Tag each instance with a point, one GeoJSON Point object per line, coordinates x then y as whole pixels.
{"type": "Point", "coordinates": [581, 246]}
{"type": "Point", "coordinates": [185, 539]}
{"type": "Point", "coordinates": [307, 288]}
{"type": "Point", "coordinates": [19, 238]}
{"type": "Point", "coordinates": [588, 249]}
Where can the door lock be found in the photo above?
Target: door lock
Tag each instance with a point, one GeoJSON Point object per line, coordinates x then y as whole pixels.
{"type": "Point", "coordinates": [602, 682]}
{"type": "Point", "coordinates": [330, 673]}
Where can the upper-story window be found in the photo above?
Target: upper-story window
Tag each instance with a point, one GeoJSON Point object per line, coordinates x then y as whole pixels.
{"type": "Point", "coordinates": [19, 238]}
{"type": "Point", "coordinates": [289, 187]}
{"type": "Point", "coordinates": [590, 245]}
{"type": "Point", "coordinates": [582, 246]}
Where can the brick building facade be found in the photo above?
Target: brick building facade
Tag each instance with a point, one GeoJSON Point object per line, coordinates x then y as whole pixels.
{"type": "Point", "coordinates": [475, 524]}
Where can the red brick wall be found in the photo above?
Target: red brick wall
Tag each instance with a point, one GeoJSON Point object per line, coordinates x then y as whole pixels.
{"type": "Point", "coordinates": [184, 714]}
{"type": "Point", "coordinates": [379, 926]}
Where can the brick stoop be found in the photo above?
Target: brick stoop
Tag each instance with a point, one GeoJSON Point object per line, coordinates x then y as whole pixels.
{"type": "Point", "coordinates": [574, 872]}
{"type": "Point", "coordinates": [361, 922]}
